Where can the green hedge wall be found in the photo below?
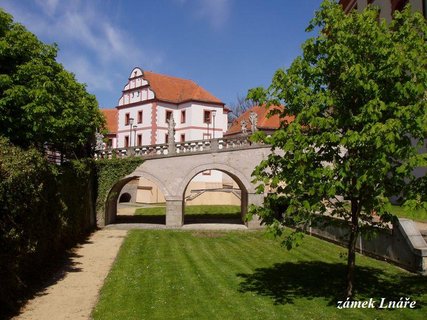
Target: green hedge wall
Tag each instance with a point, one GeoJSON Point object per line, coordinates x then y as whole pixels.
{"type": "Point", "coordinates": [44, 208]}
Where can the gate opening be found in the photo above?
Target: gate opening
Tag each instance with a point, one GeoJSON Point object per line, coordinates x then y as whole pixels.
{"type": "Point", "coordinates": [146, 203]}
{"type": "Point", "coordinates": [213, 196]}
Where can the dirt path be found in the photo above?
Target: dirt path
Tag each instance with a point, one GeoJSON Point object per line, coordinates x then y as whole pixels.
{"type": "Point", "coordinates": [74, 295]}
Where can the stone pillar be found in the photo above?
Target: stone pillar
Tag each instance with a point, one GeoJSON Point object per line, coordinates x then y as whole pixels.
{"type": "Point", "coordinates": [171, 136]}
{"type": "Point", "coordinates": [174, 216]}
{"type": "Point", "coordinates": [256, 199]}
{"type": "Point", "coordinates": [214, 145]}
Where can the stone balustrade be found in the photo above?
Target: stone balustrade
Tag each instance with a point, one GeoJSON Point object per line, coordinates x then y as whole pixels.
{"type": "Point", "coordinates": [178, 148]}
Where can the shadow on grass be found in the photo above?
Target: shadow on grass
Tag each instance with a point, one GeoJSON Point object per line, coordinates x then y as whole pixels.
{"type": "Point", "coordinates": [231, 218]}
{"type": "Point", "coordinates": [189, 218]}
{"type": "Point", "coordinates": [151, 219]}
{"type": "Point", "coordinates": [286, 282]}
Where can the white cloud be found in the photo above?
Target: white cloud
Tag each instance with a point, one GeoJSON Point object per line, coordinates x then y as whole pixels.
{"type": "Point", "coordinates": [92, 46]}
{"type": "Point", "coordinates": [49, 6]}
{"type": "Point", "coordinates": [216, 12]}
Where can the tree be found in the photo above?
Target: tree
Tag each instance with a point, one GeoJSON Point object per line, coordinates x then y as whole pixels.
{"type": "Point", "coordinates": [359, 97]}
{"type": "Point", "coordinates": [40, 102]}
{"type": "Point", "coordinates": [240, 106]}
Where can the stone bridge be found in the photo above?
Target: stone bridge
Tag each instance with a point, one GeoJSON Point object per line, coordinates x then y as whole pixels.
{"type": "Point", "coordinates": [172, 166]}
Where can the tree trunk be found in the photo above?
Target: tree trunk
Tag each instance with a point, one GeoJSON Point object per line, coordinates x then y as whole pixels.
{"type": "Point", "coordinates": [351, 260]}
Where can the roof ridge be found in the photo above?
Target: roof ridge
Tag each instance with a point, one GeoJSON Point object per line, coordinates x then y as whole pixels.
{"type": "Point", "coordinates": [174, 89]}
{"type": "Point", "coordinates": [169, 76]}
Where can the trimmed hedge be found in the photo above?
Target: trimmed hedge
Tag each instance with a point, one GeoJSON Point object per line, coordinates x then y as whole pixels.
{"type": "Point", "coordinates": [44, 209]}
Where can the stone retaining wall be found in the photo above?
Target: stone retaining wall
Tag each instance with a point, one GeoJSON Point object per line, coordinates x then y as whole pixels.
{"type": "Point", "coordinates": [402, 244]}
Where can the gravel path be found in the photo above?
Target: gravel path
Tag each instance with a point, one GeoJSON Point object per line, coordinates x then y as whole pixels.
{"type": "Point", "coordinates": [75, 293]}
{"type": "Point", "coordinates": [75, 288]}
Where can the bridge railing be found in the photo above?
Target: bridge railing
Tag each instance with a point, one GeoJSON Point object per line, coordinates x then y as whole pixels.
{"type": "Point", "coordinates": [177, 148]}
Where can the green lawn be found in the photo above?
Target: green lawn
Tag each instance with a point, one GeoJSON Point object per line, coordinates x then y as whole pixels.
{"type": "Point", "coordinates": [211, 211]}
{"type": "Point", "coordinates": [152, 211]}
{"type": "Point", "coordinates": [244, 275]}
{"type": "Point", "coordinates": [418, 215]}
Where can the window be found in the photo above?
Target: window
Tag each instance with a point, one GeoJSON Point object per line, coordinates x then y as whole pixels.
{"type": "Point", "coordinates": [207, 116]}
{"type": "Point", "coordinates": [110, 143]}
{"type": "Point", "coordinates": [127, 117]}
{"type": "Point", "coordinates": [168, 115]}
{"type": "Point", "coordinates": [139, 140]}
{"type": "Point", "coordinates": [183, 116]}
{"type": "Point", "coordinates": [166, 138]}
{"type": "Point", "coordinates": [139, 116]}
{"type": "Point", "coordinates": [126, 141]}
{"type": "Point", "coordinates": [182, 137]}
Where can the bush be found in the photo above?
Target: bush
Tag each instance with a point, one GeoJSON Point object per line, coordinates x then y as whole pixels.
{"type": "Point", "coordinates": [44, 209]}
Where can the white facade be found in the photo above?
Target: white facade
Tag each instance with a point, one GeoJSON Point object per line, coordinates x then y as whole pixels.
{"type": "Point", "coordinates": [145, 106]}
{"type": "Point", "coordinates": [142, 112]}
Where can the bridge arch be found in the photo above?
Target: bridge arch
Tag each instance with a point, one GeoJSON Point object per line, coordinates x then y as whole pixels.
{"type": "Point", "coordinates": [172, 174]}
{"type": "Point", "coordinates": [234, 173]}
{"type": "Point", "coordinates": [110, 212]}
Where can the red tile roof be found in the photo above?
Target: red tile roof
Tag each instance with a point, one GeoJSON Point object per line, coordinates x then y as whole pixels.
{"type": "Point", "coordinates": [263, 123]}
{"type": "Point", "coordinates": [177, 90]}
{"type": "Point", "coordinates": [111, 119]}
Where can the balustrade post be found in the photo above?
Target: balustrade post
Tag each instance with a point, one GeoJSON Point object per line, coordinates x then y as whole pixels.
{"type": "Point", "coordinates": [214, 145]}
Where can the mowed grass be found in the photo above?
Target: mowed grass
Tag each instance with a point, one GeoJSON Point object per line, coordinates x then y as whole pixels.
{"type": "Point", "coordinates": [197, 211]}
{"type": "Point", "coordinates": [170, 274]}
{"type": "Point", "coordinates": [417, 215]}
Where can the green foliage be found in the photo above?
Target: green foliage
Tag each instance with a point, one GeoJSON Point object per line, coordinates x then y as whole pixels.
{"type": "Point", "coordinates": [44, 209]}
{"type": "Point", "coordinates": [40, 102]}
{"type": "Point", "coordinates": [109, 172]}
{"type": "Point", "coordinates": [416, 215]}
{"type": "Point", "coordinates": [359, 97]}
{"type": "Point", "coordinates": [243, 275]}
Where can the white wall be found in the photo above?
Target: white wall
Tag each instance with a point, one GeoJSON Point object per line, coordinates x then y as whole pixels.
{"type": "Point", "coordinates": [140, 98]}
{"type": "Point", "coordinates": [143, 128]}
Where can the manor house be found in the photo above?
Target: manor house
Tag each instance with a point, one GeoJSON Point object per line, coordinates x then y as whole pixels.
{"type": "Point", "coordinates": [147, 103]}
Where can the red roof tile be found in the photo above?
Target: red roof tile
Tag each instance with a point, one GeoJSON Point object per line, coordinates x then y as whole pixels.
{"type": "Point", "coordinates": [177, 90]}
{"type": "Point", "coordinates": [264, 122]}
{"type": "Point", "coordinates": [111, 119]}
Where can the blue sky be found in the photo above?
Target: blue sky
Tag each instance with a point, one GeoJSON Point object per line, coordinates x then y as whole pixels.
{"type": "Point", "coordinates": [226, 46]}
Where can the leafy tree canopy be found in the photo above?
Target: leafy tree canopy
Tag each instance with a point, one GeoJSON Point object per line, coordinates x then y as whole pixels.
{"type": "Point", "coordinates": [40, 102]}
{"type": "Point", "coordinates": [359, 97]}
